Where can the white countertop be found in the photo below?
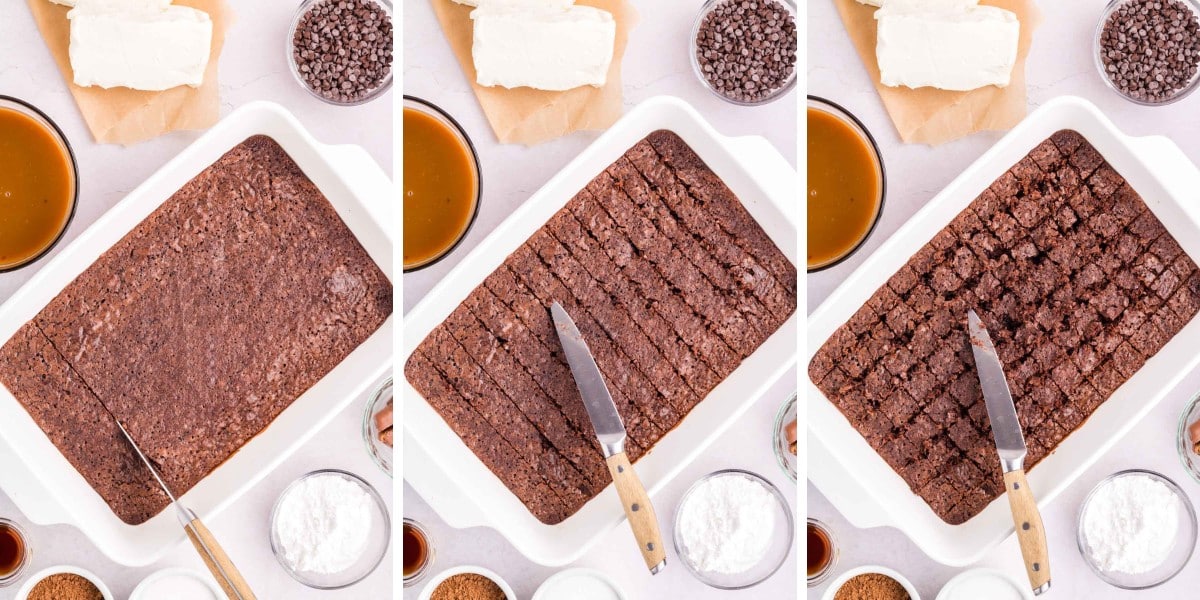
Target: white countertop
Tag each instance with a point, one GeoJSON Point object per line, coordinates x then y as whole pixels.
{"type": "Point", "coordinates": [656, 63]}
{"type": "Point", "coordinates": [1060, 64]}
{"type": "Point", "coordinates": [253, 67]}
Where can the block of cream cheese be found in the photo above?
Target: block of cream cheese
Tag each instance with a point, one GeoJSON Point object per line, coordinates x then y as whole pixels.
{"type": "Point", "coordinates": [139, 44]}
{"type": "Point", "coordinates": [543, 48]}
{"type": "Point", "coordinates": [947, 44]}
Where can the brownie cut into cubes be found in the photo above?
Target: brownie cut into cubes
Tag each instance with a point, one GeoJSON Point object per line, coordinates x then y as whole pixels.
{"type": "Point", "coordinates": [1077, 282]}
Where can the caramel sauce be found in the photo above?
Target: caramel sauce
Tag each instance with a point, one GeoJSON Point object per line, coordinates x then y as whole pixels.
{"type": "Point", "coordinates": [440, 188]}
{"type": "Point", "coordinates": [37, 188]}
{"type": "Point", "coordinates": [845, 188]}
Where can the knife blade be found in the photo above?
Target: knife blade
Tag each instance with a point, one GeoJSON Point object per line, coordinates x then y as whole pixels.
{"type": "Point", "coordinates": [1002, 413]}
{"type": "Point", "coordinates": [211, 552]}
{"type": "Point", "coordinates": [184, 513]}
{"type": "Point", "coordinates": [606, 421]}
{"type": "Point", "coordinates": [1010, 445]}
{"type": "Point", "coordinates": [610, 431]}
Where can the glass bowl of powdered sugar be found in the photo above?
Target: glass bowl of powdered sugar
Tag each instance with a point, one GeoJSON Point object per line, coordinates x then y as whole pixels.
{"type": "Point", "coordinates": [330, 529]}
{"type": "Point", "coordinates": [1137, 529]}
{"type": "Point", "coordinates": [733, 529]}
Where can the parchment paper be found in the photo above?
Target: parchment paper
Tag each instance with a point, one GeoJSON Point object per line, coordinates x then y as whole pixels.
{"type": "Point", "coordinates": [932, 116]}
{"type": "Point", "coordinates": [528, 116]}
{"type": "Point", "coordinates": [124, 116]}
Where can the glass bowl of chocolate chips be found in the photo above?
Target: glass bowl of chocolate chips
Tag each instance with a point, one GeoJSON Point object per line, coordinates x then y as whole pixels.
{"type": "Point", "coordinates": [744, 51]}
{"type": "Point", "coordinates": [340, 51]}
{"type": "Point", "coordinates": [1148, 51]}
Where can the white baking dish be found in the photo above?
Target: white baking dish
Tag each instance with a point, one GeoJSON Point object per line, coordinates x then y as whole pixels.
{"type": "Point", "coordinates": [858, 481]}
{"type": "Point", "coordinates": [441, 468]}
{"type": "Point", "coordinates": [47, 489]}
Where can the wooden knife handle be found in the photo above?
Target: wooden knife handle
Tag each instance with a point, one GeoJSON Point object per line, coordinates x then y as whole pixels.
{"type": "Point", "coordinates": [639, 511]}
{"type": "Point", "coordinates": [231, 581]}
{"type": "Point", "coordinates": [1030, 532]}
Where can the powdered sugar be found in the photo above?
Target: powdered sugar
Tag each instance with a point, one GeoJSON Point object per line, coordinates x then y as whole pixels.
{"type": "Point", "coordinates": [726, 524]}
{"type": "Point", "coordinates": [1131, 523]}
{"type": "Point", "coordinates": [323, 524]}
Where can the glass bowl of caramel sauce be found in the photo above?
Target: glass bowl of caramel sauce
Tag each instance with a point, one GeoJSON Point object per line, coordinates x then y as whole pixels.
{"type": "Point", "coordinates": [39, 184]}
{"type": "Point", "coordinates": [442, 184]}
{"type": "Point", "coordinates": [846, 184]}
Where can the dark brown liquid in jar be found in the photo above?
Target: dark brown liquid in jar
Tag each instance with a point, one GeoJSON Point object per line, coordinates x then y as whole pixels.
{"type": "Point", "coordinates": [12, 550]}
{"type": "Point", "coordinates": [820, 550]}
{"type": "Point", "coordinates": [416, 550]}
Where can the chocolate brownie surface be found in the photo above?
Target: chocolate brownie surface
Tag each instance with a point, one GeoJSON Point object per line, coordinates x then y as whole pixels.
{"type": "Point", "coordinates": [1078, 284]}
{"type": "Point", "coordinates": [82, 429]}
{"type": "Point", "coordinates": [672, 284]}
{"type": "Point", "coordinates": [211, 316]}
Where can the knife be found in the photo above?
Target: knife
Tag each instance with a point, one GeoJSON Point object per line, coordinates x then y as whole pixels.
{"type": "Point", "coordinates": [1010, 444]}
{"type": "Point", "coordinates": [214, 557]}
{"type": "Point", "coordinates": [610, 430]}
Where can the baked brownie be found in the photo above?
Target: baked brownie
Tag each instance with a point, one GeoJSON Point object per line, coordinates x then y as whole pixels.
{"type": "Point", "coordinates": [672, 284]}
{"type": "Point", "coordinates": [1078, 284]}
{"type": "Point", "coordinates": [62, 405]}
{"type": "Point", "coordinates": [509, 464]}
{"type": "Point", "coordinates": [211, 317]}
{"type": "Point", "coordinates": [568, 232]}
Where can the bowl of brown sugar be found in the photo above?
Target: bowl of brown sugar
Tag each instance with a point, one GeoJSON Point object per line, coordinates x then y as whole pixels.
{"type": "Point", "coordinates": [871, 583]}
{"type": "Point", "coordinates": [64, 583]}
{"type": "Point", "coordinates": [468, 583]}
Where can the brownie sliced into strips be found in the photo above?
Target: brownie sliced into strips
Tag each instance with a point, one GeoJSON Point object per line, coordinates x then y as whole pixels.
{"type": "Point", "coordinates": [626, 338]}
{"type": "Point", "coordinates": [493, 405]}
{"type": "Point", "coordinates": [678, 205]}
{"type": "Point", "coordinates": [707, 188]}
{"type": "Point", "coordinates": [687, 322]}
{"type": "Point", "coordinates": [489, 445]}
{"type": "Point", "coordinates": [699, 377]}
{"type": "Point", "coordinates": [668, 309]}
{"type": "Point", "coordinates": [566, 433]}
{"type": "Point", "coordinates": [535, 420]}
{"type": "Point", "coordinates": [681, 274]}
{"type": "Point", "coordinates": [549, 289]}
{"type": "Point", "coordinates": [726, 275]}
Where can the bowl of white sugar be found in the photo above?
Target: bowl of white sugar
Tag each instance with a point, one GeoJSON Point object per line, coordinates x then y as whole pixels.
{"type": "Point", "coordinates": [177, 583]}
{"type": "Point", "coordinates": [330, 529]}
{"type": "Point", "coordinates": [1137, 529]}
{"type": "Point", "coordinates": [733, 529]}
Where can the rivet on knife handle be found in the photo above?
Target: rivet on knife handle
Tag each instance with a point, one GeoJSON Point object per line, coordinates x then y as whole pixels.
{"type": "Point", "coordinates": [639, 510]}
{"type": "Point", "coordinates": [1030, 533]}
